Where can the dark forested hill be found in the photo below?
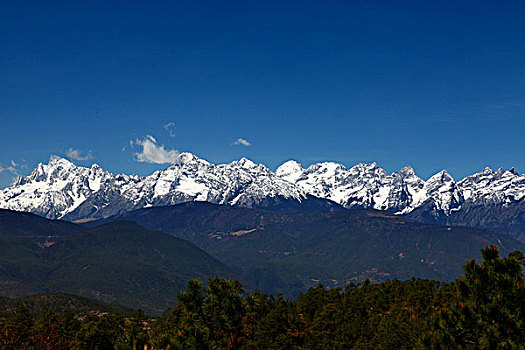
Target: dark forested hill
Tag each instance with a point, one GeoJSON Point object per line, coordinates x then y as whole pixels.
{"type": "Point", "coordinates": [59, 302]}
{"type": "Point", "coordinates": [120, 262]}
{"type": "Point", "coordinates": [14, 223]}
{"type": "Point", "coordinates": [289, 252]}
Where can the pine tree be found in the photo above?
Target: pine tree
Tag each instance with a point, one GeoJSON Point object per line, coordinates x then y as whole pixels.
{"type": "Point", "coordinates": [488, 312]}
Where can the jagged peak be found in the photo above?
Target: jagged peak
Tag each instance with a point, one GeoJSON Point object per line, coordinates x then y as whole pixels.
{"type": "Point", "coordinates": [372, 165]}
{"type": "Point", "coordinates": [407, 171]}
{"type": "Point", "coordinates": [247, 164]}
{"type": "Point", "coordinates": [187, 157]}
{"type": "Point", "coordinates": [373, 168]}
{"type": "Point", "coordinates": [442, 176]}
{"type": "Point", "coordinates": [19, 180]}
{"type": "Point", "coordinates": [54, 159]}
{"type": "Point", "coordinates": [510, 172]}
{"type": "Point", "coordinates": [326, 167]}
{"type": "Point", "coordinates": [332, 165]}
{"type": "Point", "coordinates": [487, 171]}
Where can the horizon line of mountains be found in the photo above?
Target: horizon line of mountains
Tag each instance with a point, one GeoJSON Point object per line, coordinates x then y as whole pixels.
{"type": "Point", "coordinates": [61, 190]}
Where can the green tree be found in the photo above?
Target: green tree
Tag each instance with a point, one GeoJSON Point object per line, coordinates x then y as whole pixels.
{"type": "Point", "coordinates": [47, 331]}
{"type": "Point", "coordinates": [212, 317]}
{"type": "Point", "coordinates": [194, 331]}
{"type": "Point", "coordinates": [135, 334]}
{"type": "Point", "coordinates": [16, 332]}
{"type": "Point", "coordinates": [99, 332]}
{"type": "Point", "coordinates": [488, 312]}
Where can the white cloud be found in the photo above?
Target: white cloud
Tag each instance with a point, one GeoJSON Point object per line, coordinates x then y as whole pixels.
{"type": "Point", "coordinates": [170, 129]}
{"type": "Point", "coordinates": [130, 145]}
{"type": "Point", "coordinates": [11, 169]}
{"type": "Point", "coordinates": [76, 154]}
{"type": "Point", "coordinates": [153, 153]}
{"type": "Point", "coordinates": [242, 142]}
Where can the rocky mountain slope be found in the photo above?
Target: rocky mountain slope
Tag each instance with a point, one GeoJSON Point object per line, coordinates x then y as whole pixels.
{"type": "Point", "coordinates": [60, 189]}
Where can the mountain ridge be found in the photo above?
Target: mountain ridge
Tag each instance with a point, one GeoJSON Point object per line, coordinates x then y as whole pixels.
{"type": "Point", "coordinates": [63, 190]}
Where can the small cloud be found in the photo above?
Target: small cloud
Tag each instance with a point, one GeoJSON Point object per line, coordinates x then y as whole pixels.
{"type": "Point", "coordinates": [130, 145]}
{"type": "Point", "coordinates": [153, 153]}
{"type": "Point", "coordinates": [76, 154]}
{"type": "Point", "coordinates": [12, 169]}
{"type": "Point", "coordinates": [242, 142]}
{"type": "Point", "coordinates": [9, 168]}
{"type": "Point", "coordinates": [170, 129]}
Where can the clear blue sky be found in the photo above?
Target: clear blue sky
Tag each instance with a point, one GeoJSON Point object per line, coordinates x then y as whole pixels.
{"type": "Point", "coordinates": [431, 84]}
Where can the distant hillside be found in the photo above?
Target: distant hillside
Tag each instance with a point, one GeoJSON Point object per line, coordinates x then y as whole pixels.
{"type": "Point", "coordinates": [499, 217]}
{"type": "Point", "coordinates": [289, 252]}
{"type": "Point", "coordinates": [17, 224]}
{"type": "Point", "coordinates": [59, 302]}
{"type": "Point", "coordinates": [120, 263]}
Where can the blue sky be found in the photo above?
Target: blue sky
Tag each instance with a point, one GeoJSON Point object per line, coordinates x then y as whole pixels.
{"type": "Point", "coordinates": [431, 84]}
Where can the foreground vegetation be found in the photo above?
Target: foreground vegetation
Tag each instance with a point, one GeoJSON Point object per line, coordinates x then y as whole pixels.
{"type": "Point", "coordinates": [483, 309]}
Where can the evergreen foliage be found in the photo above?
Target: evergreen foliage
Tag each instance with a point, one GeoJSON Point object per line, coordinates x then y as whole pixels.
{"type": "Point", "coordinates": [488, 311]}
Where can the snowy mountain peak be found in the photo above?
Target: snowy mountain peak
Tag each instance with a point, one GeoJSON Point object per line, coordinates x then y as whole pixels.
{"type": "Point", "coordinates": [486, 171]}
{"type": "Point", "coordinates": [441, 177]}
{"type": "Point", "coordinates": [290, 166]}
{"type": "Point", "coordinates": [407, 171]}
{"type": "Point", "coordinates": [326, 168]}
{"type": "Point", "coordinates": [187, 157]}
{"type": "Point", "coordinates": [245, 163]}
{"type": "Point", "coordinates": [57, 159]}
{"type": "Point", "coordinates": [290, 171]}
{"type": "Point", "coordinates": [61, 189]}
{"type": "Point", "coordinates": [368, 168]}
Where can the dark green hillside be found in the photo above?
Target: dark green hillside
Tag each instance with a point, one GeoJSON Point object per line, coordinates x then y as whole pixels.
{"type": "Point", "coordinates": [120, 263]}
{"type": "Point", "coordinates": [15, 223]}
{"type": "Point", "coordinates": [59, 302]}
{"type": "Point", "coordinates": [194, 220]}
{"type": "Point", "coordinates": [289, 252]}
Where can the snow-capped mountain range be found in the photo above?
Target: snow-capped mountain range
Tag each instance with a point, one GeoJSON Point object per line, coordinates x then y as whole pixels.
{"type": "Point", "coordinates": [369, 186]}
{"type": "Point", "coordinates": [62, 190]}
